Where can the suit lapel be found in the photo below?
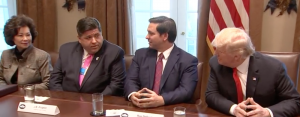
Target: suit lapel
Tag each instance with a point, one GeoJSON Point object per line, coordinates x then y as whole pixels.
{"type": "Point", "coordinates": [253, 77]}
{"type": "Point", "coordinates": [228, 79]}
{"type": "Point", "coordinates": [152, 66]}
{"type": "Point", "coordinates": [77, 57]}
{"type": "Point", "coordinates": [94, 63]}
{"type": "Point", "coordinates": [172, 59]}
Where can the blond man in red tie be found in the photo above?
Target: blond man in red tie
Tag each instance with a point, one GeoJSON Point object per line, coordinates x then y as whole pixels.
{"type": "Point", "coordinates": [162, 74]}
{"type": "Point", "coordinates": [245, 83]}
{"type": "Point", "coordinates": [91, 64]}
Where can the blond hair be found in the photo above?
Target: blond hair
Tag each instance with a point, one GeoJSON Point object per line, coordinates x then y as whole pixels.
{"type": "Point", "coordinates": [235, 40]}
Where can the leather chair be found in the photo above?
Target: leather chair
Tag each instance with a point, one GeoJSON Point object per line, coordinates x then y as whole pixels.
{"type": "Point", "coordinates": [128, 60]}
{"type": "Point", "coordinates": [291, 61]}
{"type": "Point", "coordinates": [54, 57]}
{"type": "Point", "coordinates": [197, 92]}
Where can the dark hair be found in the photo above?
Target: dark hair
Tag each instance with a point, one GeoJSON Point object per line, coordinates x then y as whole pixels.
{"type": "Point", "coordinates": [165, 25]}
{"type": "Point", "coordinates": [87, 23]}
{"type": "Point", "coordinates": [13, 25]}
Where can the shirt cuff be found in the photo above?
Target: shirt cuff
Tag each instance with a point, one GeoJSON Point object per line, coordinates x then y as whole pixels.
{"type": "Point", "coordinates": [231, 111]}
{"type": "Point", "coordinates": [271, 114]}
{"type": "Point", "coordinates": [130, 95]}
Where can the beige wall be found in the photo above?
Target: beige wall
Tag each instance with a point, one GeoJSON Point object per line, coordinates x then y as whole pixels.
{"type": "Point", "coordinates": [278, 31]}
{"type": "Point", "coordinates": [66, 23]}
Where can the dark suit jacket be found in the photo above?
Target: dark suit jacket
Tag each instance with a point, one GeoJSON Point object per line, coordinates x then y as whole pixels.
{"type": "Point", "coordinates": [104, 75]}
{"type": "Point", "coordinates": [272, 87]}
{"type": "Point", "coordinates": [179, 77]}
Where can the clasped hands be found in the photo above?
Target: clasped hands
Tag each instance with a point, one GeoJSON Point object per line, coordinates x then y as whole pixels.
{"type": "Point", "coordinates": [146, 98]}
{"type": "Point", "coordinates": [250, 104]}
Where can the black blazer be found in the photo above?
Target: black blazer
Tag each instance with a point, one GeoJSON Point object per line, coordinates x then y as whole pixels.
{"type": "Point", "coordinates": [105, 75]}
{"type": "Point", "coordinates": [178, 80]}
{"type": "Point", "coordinates": [267, 82]}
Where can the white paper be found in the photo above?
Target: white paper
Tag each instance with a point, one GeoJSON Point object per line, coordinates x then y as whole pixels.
{"type": "Point", "coordinates": [114, 112]}
{"type": "Point", "coordinates": [40, 98]}
{"type": "Point", "coordinates": [140, 114]}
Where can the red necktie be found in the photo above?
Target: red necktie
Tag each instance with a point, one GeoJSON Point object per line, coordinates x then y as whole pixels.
{"type": "Point", "coordinates": [238, 85]}
{"type": "Point", "coordinates": [158, 73]}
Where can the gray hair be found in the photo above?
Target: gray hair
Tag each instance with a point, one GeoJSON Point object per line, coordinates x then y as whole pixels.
{"type": "Point", "coordinates": [235, 40]}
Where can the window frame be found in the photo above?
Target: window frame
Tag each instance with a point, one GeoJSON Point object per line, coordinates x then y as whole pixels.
{"type": "Point", "coordinates": [177, 8]}
{"type": "Point", "coordinates": [11, 10]}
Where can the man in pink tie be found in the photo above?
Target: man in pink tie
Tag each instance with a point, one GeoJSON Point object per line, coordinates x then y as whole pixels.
{"type": "Point", "coordinates": [162, 74]}
{"type": "Point", "coordinates": [91, 64]}
{"type": "Point", "coordinates": [245, 83]}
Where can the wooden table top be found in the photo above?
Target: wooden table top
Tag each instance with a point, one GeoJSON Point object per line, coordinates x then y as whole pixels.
{"type": "Point", "coordinates": [73, 104]}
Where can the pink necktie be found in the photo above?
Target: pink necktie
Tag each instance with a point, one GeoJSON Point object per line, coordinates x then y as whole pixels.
{"type": "Point", "coordinates": [84, 67]}
{"type": "Point", "coordinates": [158, 73]}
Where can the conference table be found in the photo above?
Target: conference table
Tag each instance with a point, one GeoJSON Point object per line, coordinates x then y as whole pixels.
{"type": "Point", "coordinates": [73, 104]}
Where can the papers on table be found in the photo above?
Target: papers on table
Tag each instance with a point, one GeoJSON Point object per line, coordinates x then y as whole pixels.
{"type": "Point", "coordinates": [40, 98]}
{"type": "Point", "coordinates": [125, 113]}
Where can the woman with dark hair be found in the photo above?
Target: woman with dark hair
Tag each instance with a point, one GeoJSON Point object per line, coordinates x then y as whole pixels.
{"type": "Point", "coordinates": [23, 64]}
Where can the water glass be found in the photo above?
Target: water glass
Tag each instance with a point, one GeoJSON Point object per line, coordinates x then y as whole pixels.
{"type": "Point", "coordinates": [179, 112]}
{"type": "Point", "coordinates": [29, 92]}
{"type": "Point", "coordinates": [97, 99]}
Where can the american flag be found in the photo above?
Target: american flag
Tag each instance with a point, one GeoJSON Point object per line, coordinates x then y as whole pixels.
{"type": "Point", "coordinates": [227, 13]}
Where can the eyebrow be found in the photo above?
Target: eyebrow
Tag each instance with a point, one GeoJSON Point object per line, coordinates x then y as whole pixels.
{"type": "Point", "coordinates": [91, 35]}
{"type": "Point", "coordinates": [24, 33]}
{"type": "Point", "coordinates": [150, 31]}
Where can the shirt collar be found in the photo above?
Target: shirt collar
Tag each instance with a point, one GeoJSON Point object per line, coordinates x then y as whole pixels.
{"type": "Point", "coordinates": [167, 52]}
{"type": "Point", "coordinates": [243, 68]}
{"type": "Point", "coordinates": [85, 54]}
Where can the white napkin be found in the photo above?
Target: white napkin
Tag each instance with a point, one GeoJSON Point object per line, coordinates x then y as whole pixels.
{"type": "Point", "coordinates": [40, 98]}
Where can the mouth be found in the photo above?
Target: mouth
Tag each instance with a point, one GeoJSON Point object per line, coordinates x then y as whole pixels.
{"type": "Point", "coordinates": [94, 46]}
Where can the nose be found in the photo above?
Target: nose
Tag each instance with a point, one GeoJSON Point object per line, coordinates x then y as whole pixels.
{"type": "Point", "coordinates": [216, 53]}
{"type": "Point", "coordinates": [147, 37]}
{"type": "Point", "coordinates": [94, 40]}
{"type": "Point", "coordinates": [25, 37]}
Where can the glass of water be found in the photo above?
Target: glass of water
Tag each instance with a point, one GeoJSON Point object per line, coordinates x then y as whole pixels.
{"type": "Point", "coordinates": [29, 93]}
{"type": "Point", "coordinates": [179, 112]}
{"type": "Point", "coordinates": [97, 103]}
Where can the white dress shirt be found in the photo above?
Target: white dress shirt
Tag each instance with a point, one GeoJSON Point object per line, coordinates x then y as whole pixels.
{"type": "Point", "coordinates": [166, 54]}
{"type": "Point", "coordinates": [84, 56]}
{"type": "Point", "coordinates": [242, 71]}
